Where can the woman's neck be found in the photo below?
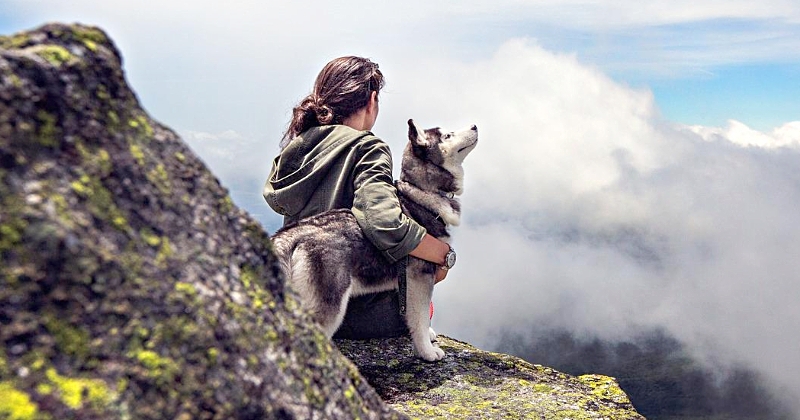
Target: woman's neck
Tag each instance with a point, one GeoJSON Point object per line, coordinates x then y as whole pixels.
{"type": "Point", "coordinates": [358, 120]}
{"type": "Point", "coordinates": [364, 118]}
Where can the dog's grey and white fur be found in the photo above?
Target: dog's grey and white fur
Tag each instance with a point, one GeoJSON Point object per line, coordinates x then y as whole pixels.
{"type": "Point", "coordinates": [327, 258]}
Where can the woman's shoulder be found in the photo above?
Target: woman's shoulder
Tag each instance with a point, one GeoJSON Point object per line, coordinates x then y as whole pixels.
{"type": "Point", "coordinates": [345, 130]}
{"type": "Point", "coordinates": [330, 137]}
{"type": "Point", "coordinates": [368, 138]}
{"type": "Point", "coordinates": [363, 140]}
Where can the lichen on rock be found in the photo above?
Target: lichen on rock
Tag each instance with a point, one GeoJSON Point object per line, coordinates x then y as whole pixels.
{"type": "Point", "coordinates": [474, 384]}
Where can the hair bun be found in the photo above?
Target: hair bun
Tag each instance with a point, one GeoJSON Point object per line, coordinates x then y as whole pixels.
{"type": "Point", "coordinates": [309, 104]}
{"type": "Point", "coordinates": [324, 114]}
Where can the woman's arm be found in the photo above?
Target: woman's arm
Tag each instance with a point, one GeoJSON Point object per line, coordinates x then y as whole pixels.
{"type": "Point", "coordinates": [376, 206]}
{"type": "Point", "coordinates": [433, 250]}
{"type": "Point", "coordinates": [377, 210]}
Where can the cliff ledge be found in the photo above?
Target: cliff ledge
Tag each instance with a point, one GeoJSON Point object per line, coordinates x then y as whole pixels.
{"type": "Point", "coordinates": [474, 384]}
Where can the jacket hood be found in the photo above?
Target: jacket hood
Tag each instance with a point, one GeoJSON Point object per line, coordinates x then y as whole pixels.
{"type": "Point", "coordinates": [304, 163]}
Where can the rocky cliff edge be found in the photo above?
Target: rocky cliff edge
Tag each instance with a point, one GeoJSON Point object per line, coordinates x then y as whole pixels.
{"type": "Point", "coordinates": [132, 287]}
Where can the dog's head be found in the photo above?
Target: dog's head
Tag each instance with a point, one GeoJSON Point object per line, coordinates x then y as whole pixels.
{"type": "Point", "coordinates": [433, 151]}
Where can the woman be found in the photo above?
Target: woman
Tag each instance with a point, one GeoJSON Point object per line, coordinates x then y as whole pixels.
{"type": "Point", "coordinates": [329, 159]}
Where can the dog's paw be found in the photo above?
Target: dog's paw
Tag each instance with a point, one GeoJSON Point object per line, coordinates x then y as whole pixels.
{"type": "Point", "coordinates": [433, 334]}
{"type": "Point", "coordinates": [430, 353]}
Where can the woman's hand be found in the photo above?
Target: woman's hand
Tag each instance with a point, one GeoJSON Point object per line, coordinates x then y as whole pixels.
{"type": "Point", "coordinates": [433, 250]}
{"type": "Point", "coordinates": [440, 275]}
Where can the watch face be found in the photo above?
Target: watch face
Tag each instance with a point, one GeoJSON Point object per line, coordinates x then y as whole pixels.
{"type": "Point", "coordinates": [450, 259]}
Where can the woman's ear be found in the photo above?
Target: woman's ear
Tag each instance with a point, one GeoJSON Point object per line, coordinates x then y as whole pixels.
{"type": "Point", "coordinates": [373, 102]}
{"type": "Point", "coordinates": [372, 110]}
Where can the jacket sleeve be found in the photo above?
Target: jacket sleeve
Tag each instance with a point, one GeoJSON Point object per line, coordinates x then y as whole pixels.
{"type": "Point", "coordinates": [376, 206]}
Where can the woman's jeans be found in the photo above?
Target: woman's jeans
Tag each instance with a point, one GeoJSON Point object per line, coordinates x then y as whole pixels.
{"type": "Point", "coordinates": [375, 315]}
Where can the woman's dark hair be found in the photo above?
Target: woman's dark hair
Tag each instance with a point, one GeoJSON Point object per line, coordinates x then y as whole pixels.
{"type": "Point", "coordinates": [342, 87]}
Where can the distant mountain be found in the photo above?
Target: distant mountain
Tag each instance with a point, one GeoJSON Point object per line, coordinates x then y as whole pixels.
{"type": "Point", "coordinates": [662, 380]}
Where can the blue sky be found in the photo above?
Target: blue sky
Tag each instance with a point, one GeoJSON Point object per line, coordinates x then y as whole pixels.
{"type": "Point", "coordinates": [762, 95]}
{"type": "Point", "coordinates": [638, 164]}
{"type": "Point", "coordinates": [705, 62]}
{"type": "Point", "coordinates": [701, 72]}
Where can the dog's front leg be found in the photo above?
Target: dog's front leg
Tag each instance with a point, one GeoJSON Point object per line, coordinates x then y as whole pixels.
{"type": "Point", "coordinates": [420, 290]}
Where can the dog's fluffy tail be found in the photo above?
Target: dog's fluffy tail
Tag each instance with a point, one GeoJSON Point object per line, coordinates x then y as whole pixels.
{"type": "Point", "coordinates": [283, 251]}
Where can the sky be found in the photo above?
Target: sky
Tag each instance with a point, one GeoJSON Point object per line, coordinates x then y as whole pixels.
{"type": "Point", "coordinates": [638, 164]}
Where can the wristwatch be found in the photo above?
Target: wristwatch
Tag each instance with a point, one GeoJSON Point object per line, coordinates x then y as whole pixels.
{"type": "Point", "coordinates": [449, 259]}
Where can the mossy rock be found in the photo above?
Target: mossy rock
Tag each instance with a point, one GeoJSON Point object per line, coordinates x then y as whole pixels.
{"type": "Point", "coordinates": [475, 384]}
{"type": "Point", "coordinates": [130, 285]}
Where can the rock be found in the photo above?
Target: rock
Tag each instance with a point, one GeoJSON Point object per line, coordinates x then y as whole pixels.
{"type": "Point", "coordinates": [475, 384]}
{"type": "Point", "coordinates": [130, 285]}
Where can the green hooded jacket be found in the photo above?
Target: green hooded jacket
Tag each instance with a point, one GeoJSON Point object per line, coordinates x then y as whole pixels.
{"type": "Point", "coordinates": [335, 166]}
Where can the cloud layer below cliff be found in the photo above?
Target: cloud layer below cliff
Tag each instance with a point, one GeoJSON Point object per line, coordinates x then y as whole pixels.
{"type": "Point", "coordinates": [585, 210]}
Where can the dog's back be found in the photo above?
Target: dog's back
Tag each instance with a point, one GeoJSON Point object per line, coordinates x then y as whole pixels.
{"type": "Point", "coordinates": [327, 259]}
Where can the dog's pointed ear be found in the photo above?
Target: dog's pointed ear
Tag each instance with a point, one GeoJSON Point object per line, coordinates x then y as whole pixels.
{"type": "Point", "coordinates": [415, 137]}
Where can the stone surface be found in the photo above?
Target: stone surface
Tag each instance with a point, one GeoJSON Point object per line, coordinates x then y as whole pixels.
{"type": "Point", "coordinates": [130, 285]}
{"type": "Point", "coordinates": [474, 384]}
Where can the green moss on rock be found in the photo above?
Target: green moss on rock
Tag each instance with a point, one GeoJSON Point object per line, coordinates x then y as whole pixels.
{"type": "Point", "coordinates": [48, 131]}
{"type": "Point", "coordinates": [162, 369]}
{"type": "Point", "coordinates": [474, 384]}
{"type": "Point", "coordinates": [159, 177]}
{"type": "Point", "coordinates": [15, 404]}
{"type": "Point", "coordinates": [164, 252]}
{"type": "Point", "coordinates": [72, 340]}
{"type": "Point", "coordinates": [87, 33]}
{"type": "Point", "coordinates": [149, 237]}
{"type": "Point", "coordinates": [97, 160]}
{"type": "Point", "coordinates": [14, 41]}
{"type": "Point", "coordinates": [100, 200]}
{"type": "Point", "coordinates": [54, 54]}
{"type": "Point", "coordinates": [141, 124]}
{"type": "Point", "coordinates": [75, 392]}
{"type": "Point", "coordinates": [226, 204]}
{"type": "Point", "coordinates": [137, 154]}
{"type": "Point", "coordinates": [11, 233]}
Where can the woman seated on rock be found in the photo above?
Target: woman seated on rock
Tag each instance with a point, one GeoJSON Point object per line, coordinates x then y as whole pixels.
{"type": "Point", "coordinates": [311, 175]}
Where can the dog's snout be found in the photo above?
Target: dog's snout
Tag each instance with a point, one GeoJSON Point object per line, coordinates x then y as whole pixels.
{"type": "Point", "coordinates": [474, 127]}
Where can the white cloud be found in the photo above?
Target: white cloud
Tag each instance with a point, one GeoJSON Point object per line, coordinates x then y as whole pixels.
{"type": "Point", "coordinates": [539, 111]}
{"type": "Point", "coordinates": [738, 133]}
{"type": "Point", "coordinates": [604, 15]}
{"type": "Point", "coordinates": [632, 13]}
{"type": "Point", "coordinates": [242, 165]}
{"type": "Point", "coordinates": [585, 210]}
{"type": "Point", "coordinates": [291, 38]}
{"type": "Point", "coordinates": [788, 133]}
{"type": "Point", "coordinates": [233, 157]}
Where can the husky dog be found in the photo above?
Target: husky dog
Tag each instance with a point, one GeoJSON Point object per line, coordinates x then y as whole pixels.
{"type": "Point", "coordinates": [327, 258]}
